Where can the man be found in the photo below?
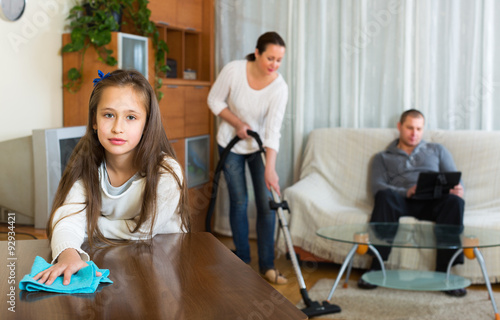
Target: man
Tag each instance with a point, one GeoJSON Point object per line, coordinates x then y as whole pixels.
{"type": "Point", "coordinates": [394, 176]}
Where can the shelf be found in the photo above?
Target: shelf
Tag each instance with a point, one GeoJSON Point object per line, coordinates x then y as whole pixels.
{"type": "Point", "coordinates": [185, 46]}
{"type": "Point", "coordinates": [187, 14]}
{"type": "Point", "coordinates": [183, 82]}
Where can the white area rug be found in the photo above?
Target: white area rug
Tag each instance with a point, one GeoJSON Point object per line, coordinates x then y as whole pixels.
{"type": "Point", "coordinates": [391, 304]}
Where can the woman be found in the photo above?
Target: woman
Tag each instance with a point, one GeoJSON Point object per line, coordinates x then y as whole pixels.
{"type": "Point", "coordinates": [251, 95]}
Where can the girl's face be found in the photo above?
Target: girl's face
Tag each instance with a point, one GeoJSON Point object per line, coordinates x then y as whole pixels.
{"type": "Point", "coordinates": [120, 120]}
{"type": "Point", "coordinates": [270, 60]}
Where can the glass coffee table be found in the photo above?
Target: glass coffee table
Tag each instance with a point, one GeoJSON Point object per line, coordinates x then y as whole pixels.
{"type": "Point", "coordinates": [368, 236]}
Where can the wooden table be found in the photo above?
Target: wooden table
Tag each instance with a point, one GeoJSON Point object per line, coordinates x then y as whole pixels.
{"type": "Point", "coordinates": [181, 276]}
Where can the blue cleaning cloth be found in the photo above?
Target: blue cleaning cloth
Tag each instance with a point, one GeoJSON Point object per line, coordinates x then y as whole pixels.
{"type": "Point", "coordinates": [84, 281]}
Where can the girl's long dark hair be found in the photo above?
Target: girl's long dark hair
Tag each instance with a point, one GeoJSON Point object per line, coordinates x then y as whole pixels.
{"type": "Point", "coordinates": [265, 39]}
{"type": "Point", "coordinates": [149, 159]}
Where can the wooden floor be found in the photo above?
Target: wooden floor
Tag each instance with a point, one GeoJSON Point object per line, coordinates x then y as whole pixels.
{"type": "Point", "coordinates": [311, 272]}
{"type": "Point", "coordinates": [21, 232]}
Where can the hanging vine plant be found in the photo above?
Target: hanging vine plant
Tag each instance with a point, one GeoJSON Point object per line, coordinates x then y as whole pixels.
{"type": "Point", "coordinates": [92, 23]}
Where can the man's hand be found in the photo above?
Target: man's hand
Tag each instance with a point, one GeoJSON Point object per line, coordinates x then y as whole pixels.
{"type": "Point", "coordinates": [411, 191]}
{"type": "Point", "coordinates": [458, 190]}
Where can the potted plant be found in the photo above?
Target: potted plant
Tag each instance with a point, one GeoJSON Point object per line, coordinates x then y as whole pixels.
{"type": "Point", "coordinates": [91, 24]}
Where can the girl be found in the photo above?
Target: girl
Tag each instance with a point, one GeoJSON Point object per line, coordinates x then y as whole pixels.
{"type": "Point", "coordinates": [122, 180]}
{"type": "Point", "coordinates": [251, 95]}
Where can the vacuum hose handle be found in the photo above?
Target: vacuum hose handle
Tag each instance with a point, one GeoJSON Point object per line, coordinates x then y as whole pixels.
{"type": "Point", "coordinates": [218, 169]}
{"type": "Point", "coordinates": [256, 136]}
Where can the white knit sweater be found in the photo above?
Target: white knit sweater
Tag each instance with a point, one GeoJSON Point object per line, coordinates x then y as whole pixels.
{"type": "Point", "coordinates": [119, 214]}
{"type": "Point", "coordinates": [263, 109]}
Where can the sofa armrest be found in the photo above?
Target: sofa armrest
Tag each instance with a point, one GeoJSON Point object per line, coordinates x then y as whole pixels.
{"type": "Point", "coordinates": [313, 204]}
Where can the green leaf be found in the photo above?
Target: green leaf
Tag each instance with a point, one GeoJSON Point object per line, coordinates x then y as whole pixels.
{"type": "Point", "coordinates": [110, 60]}
{"type": "Point", "coordinates": [101, 16]}
{"type": "Point", "coordinates": [163, 45]}
{"type": "Point", "coordinates": [74, 74]}
{"type": "Point", "coordinates": [160, 95]}
{"type": "Point", "coordinates": [68, 48]}
{"type": "Point", "coordinates": [75, 11]}
{"type": "Point", "coordinates": [100, 38]}
{"type": "Point", "coordinates": [164, 68]}
{"type": "Point", "coordinates": [78, 38]}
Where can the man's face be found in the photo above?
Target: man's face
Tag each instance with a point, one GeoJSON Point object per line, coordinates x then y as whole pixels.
{"type": "Point", "coordinates": [411, 131]}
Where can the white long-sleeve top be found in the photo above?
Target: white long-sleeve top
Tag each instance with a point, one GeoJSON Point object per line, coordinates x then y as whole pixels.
{"type": "Point", "coordinates": [118, 213]}
{"type": "Point", "coordinates": [263, 110]}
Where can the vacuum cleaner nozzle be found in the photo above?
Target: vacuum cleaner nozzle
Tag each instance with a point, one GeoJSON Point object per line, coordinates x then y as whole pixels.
{"type": "Point", "coordinates": [317, 309]}
{"type": "Point", "coordinates": [314, 308]}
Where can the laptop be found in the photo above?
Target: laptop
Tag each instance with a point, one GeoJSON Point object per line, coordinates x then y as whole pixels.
{"type": "Point", "coordinates": [433, 185]}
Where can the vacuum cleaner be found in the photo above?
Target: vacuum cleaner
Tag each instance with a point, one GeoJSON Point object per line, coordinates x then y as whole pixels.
{"type": "Point", "coordinates": [313, 308]}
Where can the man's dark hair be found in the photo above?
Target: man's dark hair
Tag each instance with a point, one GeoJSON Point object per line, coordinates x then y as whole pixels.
{"type": "Point", "coordinates": [414, 113]}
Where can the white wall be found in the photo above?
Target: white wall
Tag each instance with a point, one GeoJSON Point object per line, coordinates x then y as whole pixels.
{"type": "Point", "coordinates": [31, 69]}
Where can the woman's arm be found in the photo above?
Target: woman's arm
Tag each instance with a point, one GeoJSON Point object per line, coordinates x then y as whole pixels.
{"type": "Point", "coordinates": [240, 126]}
{"type": "Point", "coordinates": [217, 97]}
{"type": "Point", "coordinates": [270, 175]}
{"type": "Point", "coordinates": [274, 117]}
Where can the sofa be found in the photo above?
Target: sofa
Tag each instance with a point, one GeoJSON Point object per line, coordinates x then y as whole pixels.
{"type": "Point", "coordinates": [333, 189]}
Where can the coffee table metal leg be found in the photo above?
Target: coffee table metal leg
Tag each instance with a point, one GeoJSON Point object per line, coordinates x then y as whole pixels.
{"type": "Point", "coordinates": [450, 264]}
{"type": "Point", "coordinates": [349, 268]}
{"type": "Point", "coordinates": [377, 254]}
{"type": "Point", "coordinates": [480, 259]}
{"type": "Point", "coordinates": [347, 261]}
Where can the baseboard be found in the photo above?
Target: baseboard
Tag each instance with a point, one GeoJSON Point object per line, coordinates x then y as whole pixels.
{"type": "Point", "coordinates": [6, 217]}
{"type": "Point", "coordinates": [308, 256]}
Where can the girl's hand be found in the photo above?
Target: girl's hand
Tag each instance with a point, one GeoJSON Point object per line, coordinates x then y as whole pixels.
{"type": "Point", "coordinates": [68, 263]}
{"type": "Point", "coordinates": [271, 178]}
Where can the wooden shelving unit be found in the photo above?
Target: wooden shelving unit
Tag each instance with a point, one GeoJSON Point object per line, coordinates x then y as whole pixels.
{"type": "Point", "coordinates": [75, 105]}
{"type": "Point", "coordinates": [187, 26]}
{"type": "Point", "coordinates": [188, 29]}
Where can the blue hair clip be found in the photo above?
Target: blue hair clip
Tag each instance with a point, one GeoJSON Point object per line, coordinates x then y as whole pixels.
{"type": "Point", "coordinates": [101, 77]}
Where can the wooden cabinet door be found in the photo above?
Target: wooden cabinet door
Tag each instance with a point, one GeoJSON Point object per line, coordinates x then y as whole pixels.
{"type": "Point", "coordinates": [76, 105]}
{"type": "Point", "coordinates": [163, 11]}
{"type": "Point", "coordinates": [197, 113]}
{"type": "Point", "coordinates": [172, 111]}
{"type": "Point", "coordinates": [179, 146]}
{"type": "Point", "coordinates": [190, 14]}
{"type": "Point", "coordinates": [199, 199]}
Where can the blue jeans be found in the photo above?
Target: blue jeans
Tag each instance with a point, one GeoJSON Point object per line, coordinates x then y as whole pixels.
{"type": "Point", "coordinates": [234, 172]}
{"type": "Point", "coordinates": [448, 210]}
